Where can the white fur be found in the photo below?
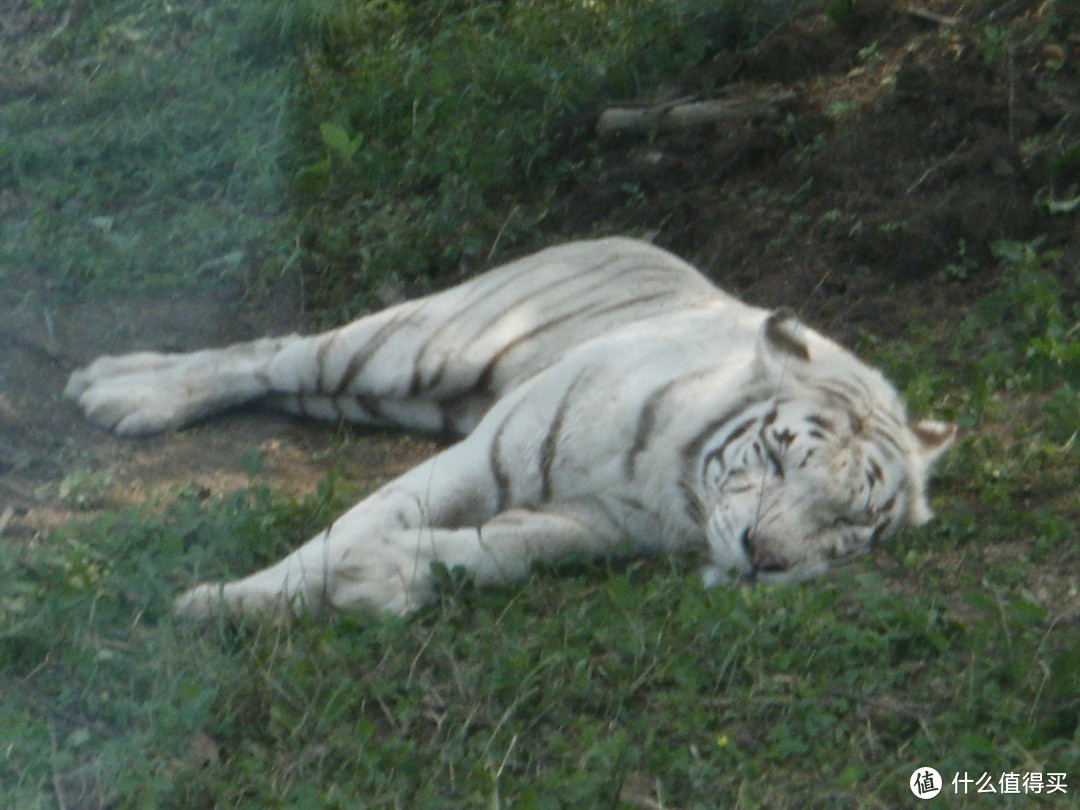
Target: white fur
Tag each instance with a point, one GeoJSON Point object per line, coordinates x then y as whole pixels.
{"type": "Point", "coordinates": [607, 394]}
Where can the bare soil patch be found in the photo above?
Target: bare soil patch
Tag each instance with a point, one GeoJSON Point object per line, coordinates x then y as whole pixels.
{"type": "Point", "coordinates": [55, 465]}
{"type": "Point", "coordinates": [909, 147]}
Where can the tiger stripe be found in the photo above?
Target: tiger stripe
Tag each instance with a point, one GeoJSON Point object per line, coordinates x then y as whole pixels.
{"type": "Point", "coordinates": [439, 336]}
{"type": "Point", "coordinates": [483, 382]}
{"type": "Point", "coordinates": [692, 463]}
{"type": "Point", "coordinates": [549, 446]}
{"type": "Point", "coordinates": [361, 357]}
{"type": "Point", "coordinates": [646, 422]}
{"type": "Point", "coordinates": [498, 472]}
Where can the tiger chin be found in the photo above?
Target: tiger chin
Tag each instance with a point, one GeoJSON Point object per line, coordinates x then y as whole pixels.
{"type": "Point", "coordinates": [605, 394]}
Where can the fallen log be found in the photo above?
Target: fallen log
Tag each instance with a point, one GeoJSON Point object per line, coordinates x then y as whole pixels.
{"type": "Point", "coordinates": [921, 13]}
{"type": "Point", "coordinates": [676, 115]}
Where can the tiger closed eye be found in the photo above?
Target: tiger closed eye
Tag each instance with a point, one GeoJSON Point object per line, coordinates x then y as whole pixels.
{"type": "Point", "coordinates": [855, 521]}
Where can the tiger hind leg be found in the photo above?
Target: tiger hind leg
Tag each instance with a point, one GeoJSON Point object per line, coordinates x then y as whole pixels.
{"type": "Point", "coordinates": [358, 373]}
{"type": "Point", "coordinates": [433, 363]}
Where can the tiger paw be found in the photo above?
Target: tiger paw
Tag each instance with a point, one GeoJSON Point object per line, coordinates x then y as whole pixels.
{"type": "Point", "coordinates": [235, 601]}
{"type": "Point", "coordinates": [133, 395]}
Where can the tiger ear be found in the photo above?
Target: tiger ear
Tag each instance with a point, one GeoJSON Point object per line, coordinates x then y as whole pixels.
{"type": "Point", "coordinates": [933, 437]}
{"type": "Point", "coordinates": [778, 344]}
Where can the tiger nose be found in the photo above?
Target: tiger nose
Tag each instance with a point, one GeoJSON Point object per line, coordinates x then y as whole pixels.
{"type": "Point", "coordinates": [762, 560]}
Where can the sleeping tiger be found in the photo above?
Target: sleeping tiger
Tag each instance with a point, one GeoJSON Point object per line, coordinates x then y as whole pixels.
{"type": "Point", "coordinates": [607, 395]}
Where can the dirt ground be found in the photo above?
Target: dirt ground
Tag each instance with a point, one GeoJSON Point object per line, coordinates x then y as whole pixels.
{"type": "Point", "coordinates": [873, 195]}
{"type": "Point", "coordinates": [55, 465]}
{"type": "Point", "coordinates": [869, 198]}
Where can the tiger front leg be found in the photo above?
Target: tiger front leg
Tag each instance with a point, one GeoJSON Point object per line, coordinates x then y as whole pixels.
{"type": "Point", "coordinates": [353, 566]}
{"type": "Point", "coordinates": [398, 578]}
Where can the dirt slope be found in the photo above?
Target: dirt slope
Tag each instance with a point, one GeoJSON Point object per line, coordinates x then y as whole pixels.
{"type": "Point", "coordinates": [912, 142]}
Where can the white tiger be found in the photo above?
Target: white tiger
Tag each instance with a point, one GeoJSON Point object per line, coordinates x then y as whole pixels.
{"type": "Point", "coordinates": [607, 393]}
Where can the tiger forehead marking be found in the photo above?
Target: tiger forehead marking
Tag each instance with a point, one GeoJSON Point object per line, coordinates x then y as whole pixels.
{"type": "Point", "coordinates": [603, 392]}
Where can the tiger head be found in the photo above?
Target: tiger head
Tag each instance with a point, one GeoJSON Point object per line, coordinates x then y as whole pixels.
{"type": "Point", "coordinates": [815, 469]}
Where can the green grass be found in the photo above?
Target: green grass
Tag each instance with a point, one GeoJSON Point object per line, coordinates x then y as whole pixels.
{"type": "Point", "coordinates": [434, 136]}
{"type": "Point", "coordinates": [615, 686]}
{"type": "Point", "coordinates": [142, 150]}
{"type": "Point", "coordinates": [155, 146]}
{"type": "Point", "coordinates": [563, 692]}
{"type": "Point", "coordinates": [590, 685]}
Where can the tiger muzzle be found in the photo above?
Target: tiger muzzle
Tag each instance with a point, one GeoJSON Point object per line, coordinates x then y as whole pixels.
{"type": "Point", "coordinates": [762, 559]}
